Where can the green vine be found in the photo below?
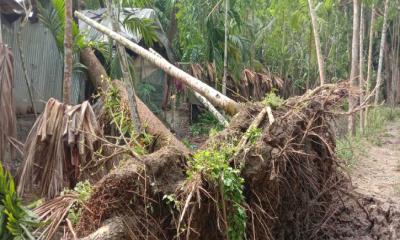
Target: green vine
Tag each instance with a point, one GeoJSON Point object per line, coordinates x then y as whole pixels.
{"type": "Point", "coordinates": [215, 165]}
{"type": "Point", "coordinates": [120, 118]}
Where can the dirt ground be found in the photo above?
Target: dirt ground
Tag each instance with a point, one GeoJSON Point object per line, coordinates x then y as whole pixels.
{"type": "Point", "coordinates": [372, 210]}
{"type": "Point", "coordinates": [377, 172]}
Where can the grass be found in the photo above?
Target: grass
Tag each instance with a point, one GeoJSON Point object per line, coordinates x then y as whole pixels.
{"type": "Point", "coordinates": [349, 148]}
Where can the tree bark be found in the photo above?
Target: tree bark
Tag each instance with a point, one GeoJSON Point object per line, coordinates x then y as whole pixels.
{"type": "Point", "coordinates": [155, 127]}
{"type": "Point", "coordinates": [362, 82]}
{"type": "Point", "coordinates": [320, 58]}
{"type": "Point", "coordinates": [127, 77]}
{"type": "Point", "coordinates": [370, 67]}
{"type": "Point", "coordinates": [225, 48]}
{"type": "Point", "coordinates": [381, 51]}
{"type": "Point", "coordinates": [215, 97]}
{"type": "Point", "coordinates": [354, 66]}
{"type": "Point", "coordinates": [67, 52]}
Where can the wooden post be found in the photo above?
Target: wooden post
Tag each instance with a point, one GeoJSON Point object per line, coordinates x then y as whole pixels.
{"type": "Point", "coordinates": [214, 96]}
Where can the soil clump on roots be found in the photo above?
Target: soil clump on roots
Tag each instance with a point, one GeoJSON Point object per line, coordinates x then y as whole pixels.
{"type": "Point", "coordinates": [283, 169]}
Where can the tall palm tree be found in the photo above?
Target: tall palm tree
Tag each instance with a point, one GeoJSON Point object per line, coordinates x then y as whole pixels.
{"type": "Point", "coordinates": [68, 52]}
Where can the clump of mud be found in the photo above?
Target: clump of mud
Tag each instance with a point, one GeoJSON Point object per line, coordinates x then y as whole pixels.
{"type": "Point", "coordinates": [358, 216]}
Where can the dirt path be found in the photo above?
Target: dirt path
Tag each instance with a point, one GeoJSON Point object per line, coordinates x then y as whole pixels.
{"type": "Point", "coordinates": [377, 171]}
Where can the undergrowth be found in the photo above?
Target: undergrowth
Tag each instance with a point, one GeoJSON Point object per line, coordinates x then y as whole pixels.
{"type": "Point", "coordinates": [83, 191]}
{"type": "Point", "coordinates": [16, 221]}
{"type": "Point", "coordinates": [205, 124]}
{"type": "Point", "coordinates": [214, 163]}
{"type": "Point", "coordinates": [348, 148]}
{"type": "Point", "coordinates": [120, 118]}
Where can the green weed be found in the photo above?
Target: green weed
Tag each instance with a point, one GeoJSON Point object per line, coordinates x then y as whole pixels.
{"type": "Point", "coordinates": [215, 164]}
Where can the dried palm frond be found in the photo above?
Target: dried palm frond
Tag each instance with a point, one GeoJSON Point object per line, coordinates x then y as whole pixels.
{"type": "Point", "coordinates": [53, 213]}
{"type": "Point", "coordinates": [62, 140]}
{"type": "Point", "coordinates": [255, 85]}
{"type": "Point", "coordinates": [7, 107]}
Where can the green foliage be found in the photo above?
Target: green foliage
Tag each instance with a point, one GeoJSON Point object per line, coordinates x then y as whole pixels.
{"type": "Point", "coordinates": [144, 27]}
{"type": "Point", "coordinates": [83, 191]}
{"type": "Point", "coordinates": [253, 134]}
{"type": "Point", "coordinates": [16, 221]}
{"type": "Point", "coordinates": [214, 164]}
{"type": "Point", "coordinates": [206, 122]}
{"type": "Point", "coordinates": [273, 100]}
{"type": "Point", "coordinates": [121, 119]}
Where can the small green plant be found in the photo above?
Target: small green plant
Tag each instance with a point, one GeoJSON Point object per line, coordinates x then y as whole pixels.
{"type": "Point", "coordinates": [83, 191]}
{"type": "Point", "coordinates": [273, 100]}
{"type": "Point", "coordinates": [253, 134]}
{"type": "Point", "coordinates": [16, 221]}
{"type": "Point", "coordinates": [206, 122]}
{"type": "Point", "coordinates": [215, 164]}
{"type": "Point", "coordinates": [120, 118]}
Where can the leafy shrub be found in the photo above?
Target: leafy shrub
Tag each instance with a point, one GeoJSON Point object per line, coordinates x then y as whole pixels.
{"type": "Point", "coordinates": [84, 190]}
{"type": "Point", "coordinates": [16, 221]}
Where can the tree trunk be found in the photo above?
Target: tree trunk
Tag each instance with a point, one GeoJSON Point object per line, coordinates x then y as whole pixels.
{"type": "Point", "coordinates": [127, 77]}
{"type": "Point", "coordinates": [67, 52]}
{"type": "Point", "coordinates": [221, 119]}
{"type": "Point", "coordinates": [317, 43]}
{"type": "Point", "coordinates": [215, 97]}
{"type": "Point", "coordinates": [370, 67]}
{"type": "Point", "coordinates": [155, 127]}
{"type": "Point", "coordinates": [381, 51]}
{"type": "Point", "coordinates": [354, 66]}
{"type": "Point", "coordinates": [225, 48]}
{"type": "Point", "coordinates": [362, 82]}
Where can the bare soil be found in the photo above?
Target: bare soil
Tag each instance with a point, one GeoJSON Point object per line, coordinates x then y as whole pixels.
{"type": "Point", "coordinates": [377, 172]}
{"type": "Point", "coordinates": [372, 209]}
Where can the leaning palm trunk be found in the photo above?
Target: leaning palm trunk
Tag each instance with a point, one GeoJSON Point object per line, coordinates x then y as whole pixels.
{"type": "Point", "coordinates": [127, 77]}
{"type": "Point", "coordinates": [317, 43]}
{"type": "Point", "coordinates": [154, 126]}
{"type": "Point", "coordinates": [215, 97]}
{"type": "Point", "coordinates": [381, 52]}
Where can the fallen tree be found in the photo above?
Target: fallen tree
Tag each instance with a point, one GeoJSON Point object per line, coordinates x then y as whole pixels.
{"type": "Point", "coordinates": [283, 188]}
{"type": "Point", "coordinates": [98, 77]}
{"type": "Point", "coordinates": [215, 97]}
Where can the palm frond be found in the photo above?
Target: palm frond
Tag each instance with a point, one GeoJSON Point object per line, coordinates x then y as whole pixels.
{"type": "Point", "coordinates": [144, 27]}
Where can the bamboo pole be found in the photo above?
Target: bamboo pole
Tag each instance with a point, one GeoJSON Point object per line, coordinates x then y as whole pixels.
{"type": "Point", "coordinates": [215, 97]}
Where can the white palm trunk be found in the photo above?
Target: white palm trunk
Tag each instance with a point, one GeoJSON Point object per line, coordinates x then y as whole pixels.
{"type": "Point", "coordinates": [320, 58]}
{"type": "Point", "coordinates": [381, 49]}
{"type": "Point", "coordinates": [214, 96]}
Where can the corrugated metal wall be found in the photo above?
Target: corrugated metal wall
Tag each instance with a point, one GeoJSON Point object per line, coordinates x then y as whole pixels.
{"type": "Point", "coordinates": [44, 66]}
